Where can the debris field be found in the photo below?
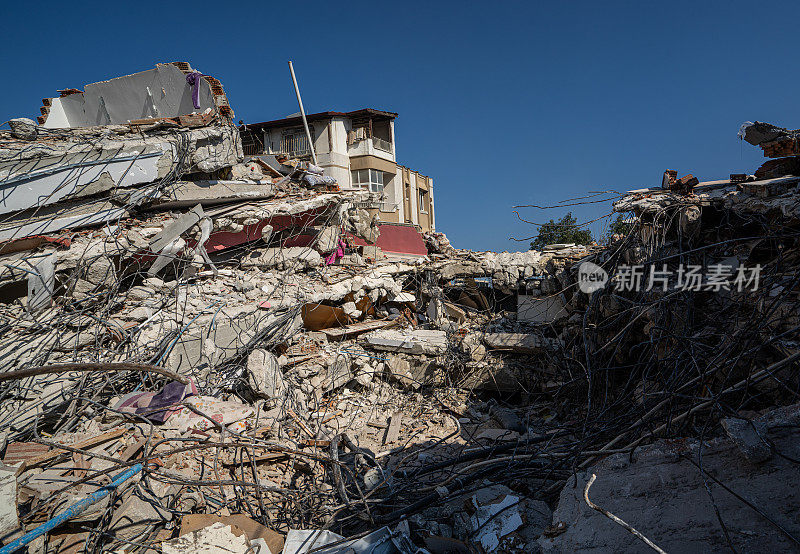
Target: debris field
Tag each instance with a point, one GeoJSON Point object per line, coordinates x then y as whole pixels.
{"type": "Point", "coordinates": [203, 351]}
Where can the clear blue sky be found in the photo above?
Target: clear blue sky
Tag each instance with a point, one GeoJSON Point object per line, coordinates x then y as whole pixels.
{"type": "Point", "coordinates": [502, 103]}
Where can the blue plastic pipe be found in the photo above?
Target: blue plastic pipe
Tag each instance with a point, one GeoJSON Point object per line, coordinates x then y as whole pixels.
{"type": "Point", "coordinates": [71, 512]}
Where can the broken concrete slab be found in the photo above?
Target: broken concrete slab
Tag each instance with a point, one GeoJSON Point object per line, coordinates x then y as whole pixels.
{"type": "Point", "coordinates": [23, 128]}
{"type": "Point", "coordinates": [135, 515]}
{"type": "Point", "coordinates": [540, 309]}
{"type": "Point", "coordinates": [74, 171]}
{"type": "Point", "coordinates": [176, 228]}
{"type": "Point", "coordinates": [107, 162]}
{"type": "Point", "coordinates": [41, 283]}
{"type": "Point", "coordinates": [265, 375]}
{"type": "Point", "coordinates": [65, 215]}
{"type": "Point", "coordinates": [663, 495]}
{"type": "Point", "coordinates": [162, 92]}
{"type": "Point", "coordinates": [213, 539]}
{"type": "Point", "coordinates": [749, 436]}
{"type": "Point", "coordinates": [516, 342]}
{"type": "Point", "coordinates": [339, 372]}
{"type": "Point", "coordinates": [328, 239]}
{"type": "Point", "coordinates": [9, 518]}
{"type": "Point", "coordinates": [500, 520]}
{"type": "Point", "coordinates": [240, 524]}
{"type": "Point", "coordinates": [208, 193]}
{"type": "Point", "coordinates": [205, 346]}
{"type": "Point", "coordinates": [417, 341]}
{"type": "Point", "coordinates": [295, 258]}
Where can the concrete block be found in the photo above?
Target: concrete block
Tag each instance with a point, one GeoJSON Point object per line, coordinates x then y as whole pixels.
{"type": "Point", "coordinates": [213, 539]}
{"type": "Point", "coordinates": [546, 309]}
{"type": "Point", "coordinates": [41, 284]}
{"type": "Point", "coordinates": [328, 239]}
{"type": "Point", "coordinates": [135, 515]}
{"type": "Point", "coordinates": [515, 342]}
{"type": "Point", "coordinates": [176, 228]}
{"type": "Point", "coordinates": [663, 495]}
{"type": "Point", "coordinates": [339, 372]}
{"type": "Point", "coordinates": [265, 375]}
{"type": "Point", "coordinates": [417, 341]}
{"type": "Point", "coordinates": [748, 438]}
{"type": "Point", "coordinates": [9, 519]}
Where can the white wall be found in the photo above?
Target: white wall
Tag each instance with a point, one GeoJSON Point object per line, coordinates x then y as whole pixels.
{"type": "Point", "coordinates": [399, 187]}
{"type": "Point", "coordinates": [159, 92]}
{"type": "Point", "coordinates": [334, 161]}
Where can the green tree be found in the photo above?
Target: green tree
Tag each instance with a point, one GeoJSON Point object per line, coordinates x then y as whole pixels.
{"type": "Point", "coordinates": [617, 227]}
{"type": "Point", "coordinates": [565, 230]}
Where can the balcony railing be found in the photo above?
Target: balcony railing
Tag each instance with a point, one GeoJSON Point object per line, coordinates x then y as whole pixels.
{"type": "Point", "coordinates": [295, 145]}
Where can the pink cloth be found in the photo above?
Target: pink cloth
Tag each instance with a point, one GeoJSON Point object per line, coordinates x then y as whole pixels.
{"type": "Point", "coordinates": [336, 254]}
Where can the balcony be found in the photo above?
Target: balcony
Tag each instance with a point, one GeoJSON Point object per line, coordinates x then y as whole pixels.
{"type": "Point", "coordinates": [295, 146]}
{"type": "Point", "coordinates": [372, 147]}
{"type": "Point", "coordinates": [381, 144]}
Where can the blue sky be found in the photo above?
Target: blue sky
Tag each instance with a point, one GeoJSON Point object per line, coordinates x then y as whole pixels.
{"type": "Point", "coordinates": [502, 103]}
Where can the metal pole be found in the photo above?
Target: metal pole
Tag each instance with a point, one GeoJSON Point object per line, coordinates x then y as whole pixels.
{"type": "Point", "coordinates": [71, 512]}
{"type": "Point", "coordinates": [303, 114]}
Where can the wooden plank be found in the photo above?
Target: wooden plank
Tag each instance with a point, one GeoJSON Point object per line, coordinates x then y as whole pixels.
{"type": "Point", "coordinates": [301, 424]}
{"type": "Point", "coordinates": [393, 431]}
{"type": "Point", "coordinates": [87, 443]}
{"type": "Point", "coordinates": [17, 452]}
{"type": "Point", "coordinates": [131, 450]}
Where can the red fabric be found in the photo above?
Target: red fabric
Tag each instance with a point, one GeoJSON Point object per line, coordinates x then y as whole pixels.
{"type": "Point", "coordinates": [398, 239]}
{"type": "Point", "coordinates": [299, 240]}
{"type": "Point", "coordinates": [225, 239]}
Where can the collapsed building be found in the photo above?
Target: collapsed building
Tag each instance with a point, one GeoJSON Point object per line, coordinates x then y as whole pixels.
{"type": "Point", "coordinates": [204, 347]}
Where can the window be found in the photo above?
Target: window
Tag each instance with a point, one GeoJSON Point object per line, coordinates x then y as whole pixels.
{"type": "Point", "coordinates": [423, 201]}
{"type": "Point", "coordinates": [368, 179]}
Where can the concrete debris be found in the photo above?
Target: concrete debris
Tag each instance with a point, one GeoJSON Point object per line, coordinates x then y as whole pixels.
{"type": "Point", "coordinates": [670, 492]}
{"type": "Point", "coordinates": [301, 541]}
{"type": "Point", "coordinates": [182, 91]}
{"type": "Point", "coordinates": [492, 519]}
{"type": "Point", "coordinates": [516, 342]}
{"type": "Point", "coordinates": [262, 358]}
{"type": "Point", "coordinates": [265, 374]}
{"type": "Point", "coordinates": [419, 341]}
{"type": "Point", "coordinates": [213, 539]}
{"type": "Point", "coordinates": [9, 518]}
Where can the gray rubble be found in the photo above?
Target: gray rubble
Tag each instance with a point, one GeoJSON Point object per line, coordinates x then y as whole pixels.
{"type": "Point", "coordinates": [226, 345]}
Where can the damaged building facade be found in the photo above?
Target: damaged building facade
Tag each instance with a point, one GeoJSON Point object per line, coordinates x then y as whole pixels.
{"type": "Point", "coordinates": [358, 150]}
{"type": "Point", "coordinates": [211, 348]}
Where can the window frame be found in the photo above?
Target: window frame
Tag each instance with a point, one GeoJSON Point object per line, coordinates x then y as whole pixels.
{"type": "Point", "coordinates": [374, 182]}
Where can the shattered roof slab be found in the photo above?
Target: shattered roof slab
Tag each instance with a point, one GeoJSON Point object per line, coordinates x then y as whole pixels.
{"type": "Point", "coordinates": [155, 93]}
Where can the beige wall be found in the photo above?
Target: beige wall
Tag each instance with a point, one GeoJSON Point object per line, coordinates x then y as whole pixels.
{"type": "Point", "coordinates": [424, 212]}
{"type": "Point", "coordinates": [373, 162]}
{"type": "Point", "coordinates": [409, 183]}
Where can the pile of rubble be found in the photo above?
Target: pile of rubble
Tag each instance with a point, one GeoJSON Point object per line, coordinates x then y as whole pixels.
{"type": "Point", "coordinates": [204, 351]}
